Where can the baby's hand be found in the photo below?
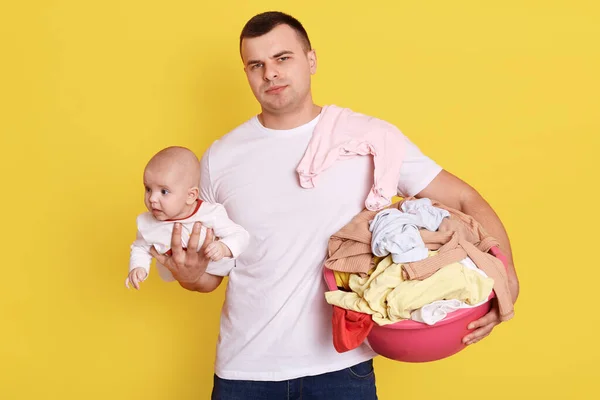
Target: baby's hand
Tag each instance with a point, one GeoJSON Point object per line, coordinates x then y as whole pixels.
{"type": "Point", "coordinates": [136, 276]}
{"type": "Point", "coordinates": [217, 250]}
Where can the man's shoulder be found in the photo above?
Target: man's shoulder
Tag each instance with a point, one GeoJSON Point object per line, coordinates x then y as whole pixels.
{"type": "Point", "coordinates": [358, 119]}
{"type": "Point", "coordinates": [237, 136]}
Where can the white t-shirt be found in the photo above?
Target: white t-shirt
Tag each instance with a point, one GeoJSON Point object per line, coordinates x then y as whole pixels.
{"type": "Point", "coordinates": [275, 322]}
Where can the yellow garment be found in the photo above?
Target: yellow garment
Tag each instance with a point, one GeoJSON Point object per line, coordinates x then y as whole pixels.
{"type": "Point", "coordinates": [342, 279]}
{"type": "Point", "coordinates": [453, 281]}
{"type": "Point", "coordinates": [388, 298]}
{"type": "Point", "coordinates": [359, 284]}
{"type": "Point", "coordinates": [370, 292]}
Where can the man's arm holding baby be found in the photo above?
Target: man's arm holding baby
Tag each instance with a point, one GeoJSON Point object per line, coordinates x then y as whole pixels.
{"type": "Point", "coordinates": [189, 266]}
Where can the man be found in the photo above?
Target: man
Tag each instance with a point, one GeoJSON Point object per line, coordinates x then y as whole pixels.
{"type": "Point", "coordinates": [275, 337]}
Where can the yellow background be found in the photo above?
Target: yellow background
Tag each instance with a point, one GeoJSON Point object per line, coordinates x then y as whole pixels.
{"type": "Point", "coordinates": [503, 95]}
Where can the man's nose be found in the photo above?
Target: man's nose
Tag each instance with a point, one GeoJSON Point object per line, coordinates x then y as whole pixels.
{"type": "Point", "coordinates": [271, 72]}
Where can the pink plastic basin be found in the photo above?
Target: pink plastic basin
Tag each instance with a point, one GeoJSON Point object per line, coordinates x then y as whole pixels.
{"type": "Point", "coordinates": [412, 341]}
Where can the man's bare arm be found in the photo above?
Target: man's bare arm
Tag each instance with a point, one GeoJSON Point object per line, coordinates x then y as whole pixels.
{"type": "Point", "coordinates": [207, 283]}
{"type": "Point", "coordinates": [454, 192]}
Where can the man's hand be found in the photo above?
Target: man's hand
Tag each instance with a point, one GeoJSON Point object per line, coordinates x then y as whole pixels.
{"type": "Point", "coordinates": [484, 325]}
{"type": "Point", "coordinates": [187, 266]}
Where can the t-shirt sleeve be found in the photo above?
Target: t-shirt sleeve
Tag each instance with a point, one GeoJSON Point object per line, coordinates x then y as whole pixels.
{"type": "Point", "coordinates": [225, 265]}
{"type": "Point", "coordinates": [206, 189]}
{"type": "Point", "coordinates": [417, 171]}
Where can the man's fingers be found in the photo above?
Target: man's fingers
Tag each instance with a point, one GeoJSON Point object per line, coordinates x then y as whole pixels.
{"type": "Point", "coordinates": [176, 240]}
{"type": "Point", "coordinates": [161, 258]}
{"type": "Point", "coordinates": [479, 334]}
{"type": "Point", "coordinates": [483, 326]}
{"type": "Point", "coordinates": [477, 340]}
{"type": "Point", "coordinates": [491, 316]}
{"type": "Point", "coordinates": [194, 238]}
{"type": "Point", "coordinates": [210, 238]}
{"type": "Point", "coordinates": [486, 319]}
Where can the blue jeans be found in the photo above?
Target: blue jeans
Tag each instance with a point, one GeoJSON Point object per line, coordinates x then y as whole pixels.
{"type": "Point", "coordinates": [354, 383]}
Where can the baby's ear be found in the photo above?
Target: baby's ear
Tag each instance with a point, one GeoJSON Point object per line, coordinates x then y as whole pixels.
{"type": "Point", "coordinates": [192, 195]}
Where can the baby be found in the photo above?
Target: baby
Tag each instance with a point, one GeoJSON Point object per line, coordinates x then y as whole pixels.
{"type": "Point", "coordinates": [171, 181]}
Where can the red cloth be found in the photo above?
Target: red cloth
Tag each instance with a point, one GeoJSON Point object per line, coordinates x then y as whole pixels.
{"type": "Point", "coordinates": [350, 328]}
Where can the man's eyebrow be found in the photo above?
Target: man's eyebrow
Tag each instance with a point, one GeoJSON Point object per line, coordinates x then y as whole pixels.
{"type": "Point", "coordinates": [281, 53]}
{"type": "Point", "coordinates": [250, 62]}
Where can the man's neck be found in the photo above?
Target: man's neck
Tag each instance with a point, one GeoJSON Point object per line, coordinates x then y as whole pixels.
{"type": "Point", "coordinates": [289, 119]}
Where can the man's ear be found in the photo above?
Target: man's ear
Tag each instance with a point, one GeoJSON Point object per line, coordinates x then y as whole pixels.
{"type": "Point", "coordinates": [312, 60]}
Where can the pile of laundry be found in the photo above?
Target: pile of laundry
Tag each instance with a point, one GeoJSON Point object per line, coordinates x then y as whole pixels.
{"type": "Point", "coordinates": [415, 259]}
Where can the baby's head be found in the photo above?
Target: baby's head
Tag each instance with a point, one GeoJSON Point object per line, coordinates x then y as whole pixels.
{"type": "Point", "coordinates": [171, 181]}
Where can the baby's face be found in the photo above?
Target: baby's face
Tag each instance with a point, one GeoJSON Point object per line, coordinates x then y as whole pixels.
{"type": "Point", "coordinates": [166, 193]}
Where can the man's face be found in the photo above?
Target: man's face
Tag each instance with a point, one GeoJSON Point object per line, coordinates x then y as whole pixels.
{"type": "Point", "coordinates": [278, 68]}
